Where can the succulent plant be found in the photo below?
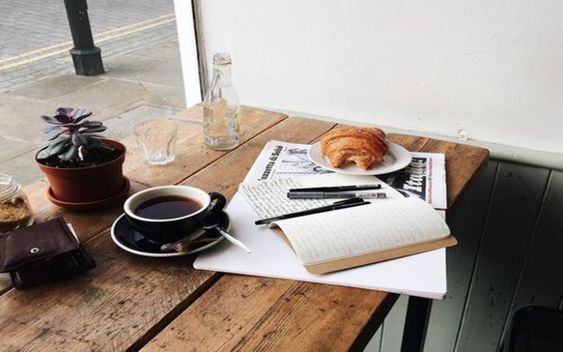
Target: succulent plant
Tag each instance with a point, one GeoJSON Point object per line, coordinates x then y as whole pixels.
{"type": "Point", "coordinates": [71, 135]}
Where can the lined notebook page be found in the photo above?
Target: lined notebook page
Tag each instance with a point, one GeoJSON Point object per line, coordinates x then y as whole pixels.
{"type": "Point", "coordinates": [379, 226]}
{"type": "Point", "coordinates": [269, 198]}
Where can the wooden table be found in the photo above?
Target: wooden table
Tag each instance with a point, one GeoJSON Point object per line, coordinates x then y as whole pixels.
{"type": "Point", "coordinates": [129, 302]}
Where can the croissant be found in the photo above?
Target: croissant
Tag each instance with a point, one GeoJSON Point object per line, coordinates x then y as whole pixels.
{"type": "Point", "coordinates": [363, 146]}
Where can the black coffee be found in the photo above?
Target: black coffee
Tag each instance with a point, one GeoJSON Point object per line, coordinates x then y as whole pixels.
{"type": "Point", "coordinates": [167, 207]}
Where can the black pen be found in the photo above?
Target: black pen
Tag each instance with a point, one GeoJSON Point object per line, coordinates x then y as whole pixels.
{"type": "Point", "coordinates": [348, 203]}
{"type": "Point", "coordinates": [337, 188]}
{"type": "Point", "coordinates": [336, 195]}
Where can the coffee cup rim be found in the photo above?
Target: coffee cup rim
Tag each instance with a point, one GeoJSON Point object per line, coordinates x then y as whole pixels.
{"type": "Point", "coordinates": [130, 212]}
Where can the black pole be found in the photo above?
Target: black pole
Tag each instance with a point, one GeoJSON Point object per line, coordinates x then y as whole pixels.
{"type": "Point", "coordinates": [86, 57]}
{"type": "Point", "coordinates": [416, 323]}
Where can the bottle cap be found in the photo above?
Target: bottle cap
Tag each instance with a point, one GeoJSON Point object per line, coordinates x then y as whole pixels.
{"type": "Point", "coordinates": [222, 59]}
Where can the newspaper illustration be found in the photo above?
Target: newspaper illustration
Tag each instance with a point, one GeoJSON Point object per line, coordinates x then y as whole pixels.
{"type": "Point", "coordinates": [425, 177]}
{"type": "Point", "coordinates": [283, 160]}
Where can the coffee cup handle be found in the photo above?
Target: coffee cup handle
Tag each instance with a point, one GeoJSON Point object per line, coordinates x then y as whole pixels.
{"type": "Point", "coordinates": [217, 203]}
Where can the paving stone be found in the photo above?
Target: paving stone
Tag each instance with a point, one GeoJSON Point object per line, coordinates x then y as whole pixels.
{"type": "Point", "coordinates": [21, 118]}
{"type": "Point", "coordinates": [23, 168]}
{"type": "Point", "coordinates": [167, 50]}
{"type": "Point", "coordinates": [125, 66]}
{"type": "Point", "coordinates": [112, 97]}
{"type": "Point", "coordinates": [55, 86]}
{"type": "Point", "coordinates": [147, 69]}
{"type": "Point", "coordinates": [124, 125]}
{"type": "Point", "coordinates": [12, 147]}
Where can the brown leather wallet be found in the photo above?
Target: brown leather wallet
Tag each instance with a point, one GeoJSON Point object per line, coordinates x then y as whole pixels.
{"type": "Point", "coordinates": [41, 253]}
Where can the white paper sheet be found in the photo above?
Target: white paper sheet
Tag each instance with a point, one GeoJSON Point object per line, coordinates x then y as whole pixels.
{"type": "Point", "coordinates": [421, 275]}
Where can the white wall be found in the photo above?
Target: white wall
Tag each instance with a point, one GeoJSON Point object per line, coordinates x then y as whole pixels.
{"type": "Point", "coordinates": [493, 68]}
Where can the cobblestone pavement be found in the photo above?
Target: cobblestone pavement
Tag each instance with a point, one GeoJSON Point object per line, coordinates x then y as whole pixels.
{"type": "Point", "coordinates": [35, 38]}
{"type": "Point", "coordinates": [34, 24]}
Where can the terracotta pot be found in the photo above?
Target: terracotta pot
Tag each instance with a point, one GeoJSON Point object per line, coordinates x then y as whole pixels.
{"type": "Point", "coordinates": [87, 184]}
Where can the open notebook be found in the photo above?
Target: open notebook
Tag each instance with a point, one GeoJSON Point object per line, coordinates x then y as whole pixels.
{"type": "Point", "coordinates": [361, 235]}
{"type": "Point", "coordinates": [336, 240]}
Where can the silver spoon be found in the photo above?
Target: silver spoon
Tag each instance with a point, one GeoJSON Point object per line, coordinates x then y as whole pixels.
{"type": "Point", "coordinates": [213, 223]}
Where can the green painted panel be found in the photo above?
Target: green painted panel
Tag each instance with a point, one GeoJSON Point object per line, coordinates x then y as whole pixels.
{"type": "Point", "coordinates": [541, 280]}
{"type": "Point", "coordinates": [374, 345]}
{"type": "Point", "coordinates": [467, 226]}
{"type": "Point", "coordinates": [517, 198]}
{"type": "Point", "coordinates": [394, 325]}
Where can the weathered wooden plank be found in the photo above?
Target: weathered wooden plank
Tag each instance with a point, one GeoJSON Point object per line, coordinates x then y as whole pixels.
{"type": "Point", "coordinates": [467, 225]}
{"type": "Point", "coordinates": [191, 153]}
{"type": "Point", "coordinates": [394, 324]}
{"type": "Point", "coordinates": [296, 323]}
{"type": "Point", "coordinates": [237, 314]}
{"type": "Point", "coordinates": [541, 281]}
{"type": "Point", "coordinates": [516, 200]}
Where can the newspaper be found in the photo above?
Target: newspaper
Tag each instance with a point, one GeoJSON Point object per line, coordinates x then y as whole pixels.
{"type": "Point", "coordinates": [425, 177]}
{"type": "Point", "coordinates": [283, 160]}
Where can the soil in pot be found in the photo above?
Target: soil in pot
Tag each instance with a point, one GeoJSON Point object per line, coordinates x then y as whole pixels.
{"type": "Point", "coordinates": [93, 157]}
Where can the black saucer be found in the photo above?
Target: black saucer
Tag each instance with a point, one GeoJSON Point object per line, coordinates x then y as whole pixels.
{"type": "Point", "coordinates": [129, 239]}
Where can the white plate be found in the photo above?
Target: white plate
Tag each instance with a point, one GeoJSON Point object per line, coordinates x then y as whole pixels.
{"type": "Point", "coordinates": [122, 221]}
{"type": "Point", "coordinates": [396, 158]}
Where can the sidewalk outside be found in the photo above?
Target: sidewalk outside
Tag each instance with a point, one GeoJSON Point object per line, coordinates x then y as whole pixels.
{"type": "Point", "coordinates": [142, 84]}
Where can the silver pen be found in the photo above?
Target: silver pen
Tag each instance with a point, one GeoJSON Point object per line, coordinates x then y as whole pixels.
{"type": "Point", "coordinates": [336, 195]}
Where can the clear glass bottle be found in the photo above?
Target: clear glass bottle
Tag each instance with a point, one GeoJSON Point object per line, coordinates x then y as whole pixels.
{"type": "Point", "coordinates": [221, 107]}
{"type": "Point", "coordinates": [15, 210]}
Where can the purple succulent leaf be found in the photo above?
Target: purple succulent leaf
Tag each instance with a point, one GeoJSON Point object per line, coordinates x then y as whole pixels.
{"type": "Point", "coordinates": [84, 114]}
{"type": "Point", "coordinates": [90, 124]}
{"type": "Point", "coordinates": [52, 134]}
{"type": "Point", "coordinates": [69, 153]}
{"type": "Point", "coordinates": [51, 128]}
{"type": "Point", "coordinates": [74, 113]}
{"type": "Point", "coordinates": [82, 123]}
{"type": "Point", "coordinates": [63, 118]}
{"type": "Point", "coordinates": [95, 136]}
{"type": "Point", "coordinates": [64, 115]}
{"type": "Point", "coordinates": [78, 139]}
{"type": "Point", "coordinates": [94, 129]}
{"type": "Point", "coordinates": [50, 119]}
{"type": "Point", "coordinates": [57, 147]}
{"type": "Point", "coordinates": [64, 111]}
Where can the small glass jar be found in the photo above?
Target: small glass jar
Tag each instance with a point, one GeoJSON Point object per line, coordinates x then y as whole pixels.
{"type": "Point", "coordinates": [15, 211]}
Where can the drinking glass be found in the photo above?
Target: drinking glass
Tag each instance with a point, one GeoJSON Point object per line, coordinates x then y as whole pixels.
{"type": "Point", "coordinates": [158, 140]}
